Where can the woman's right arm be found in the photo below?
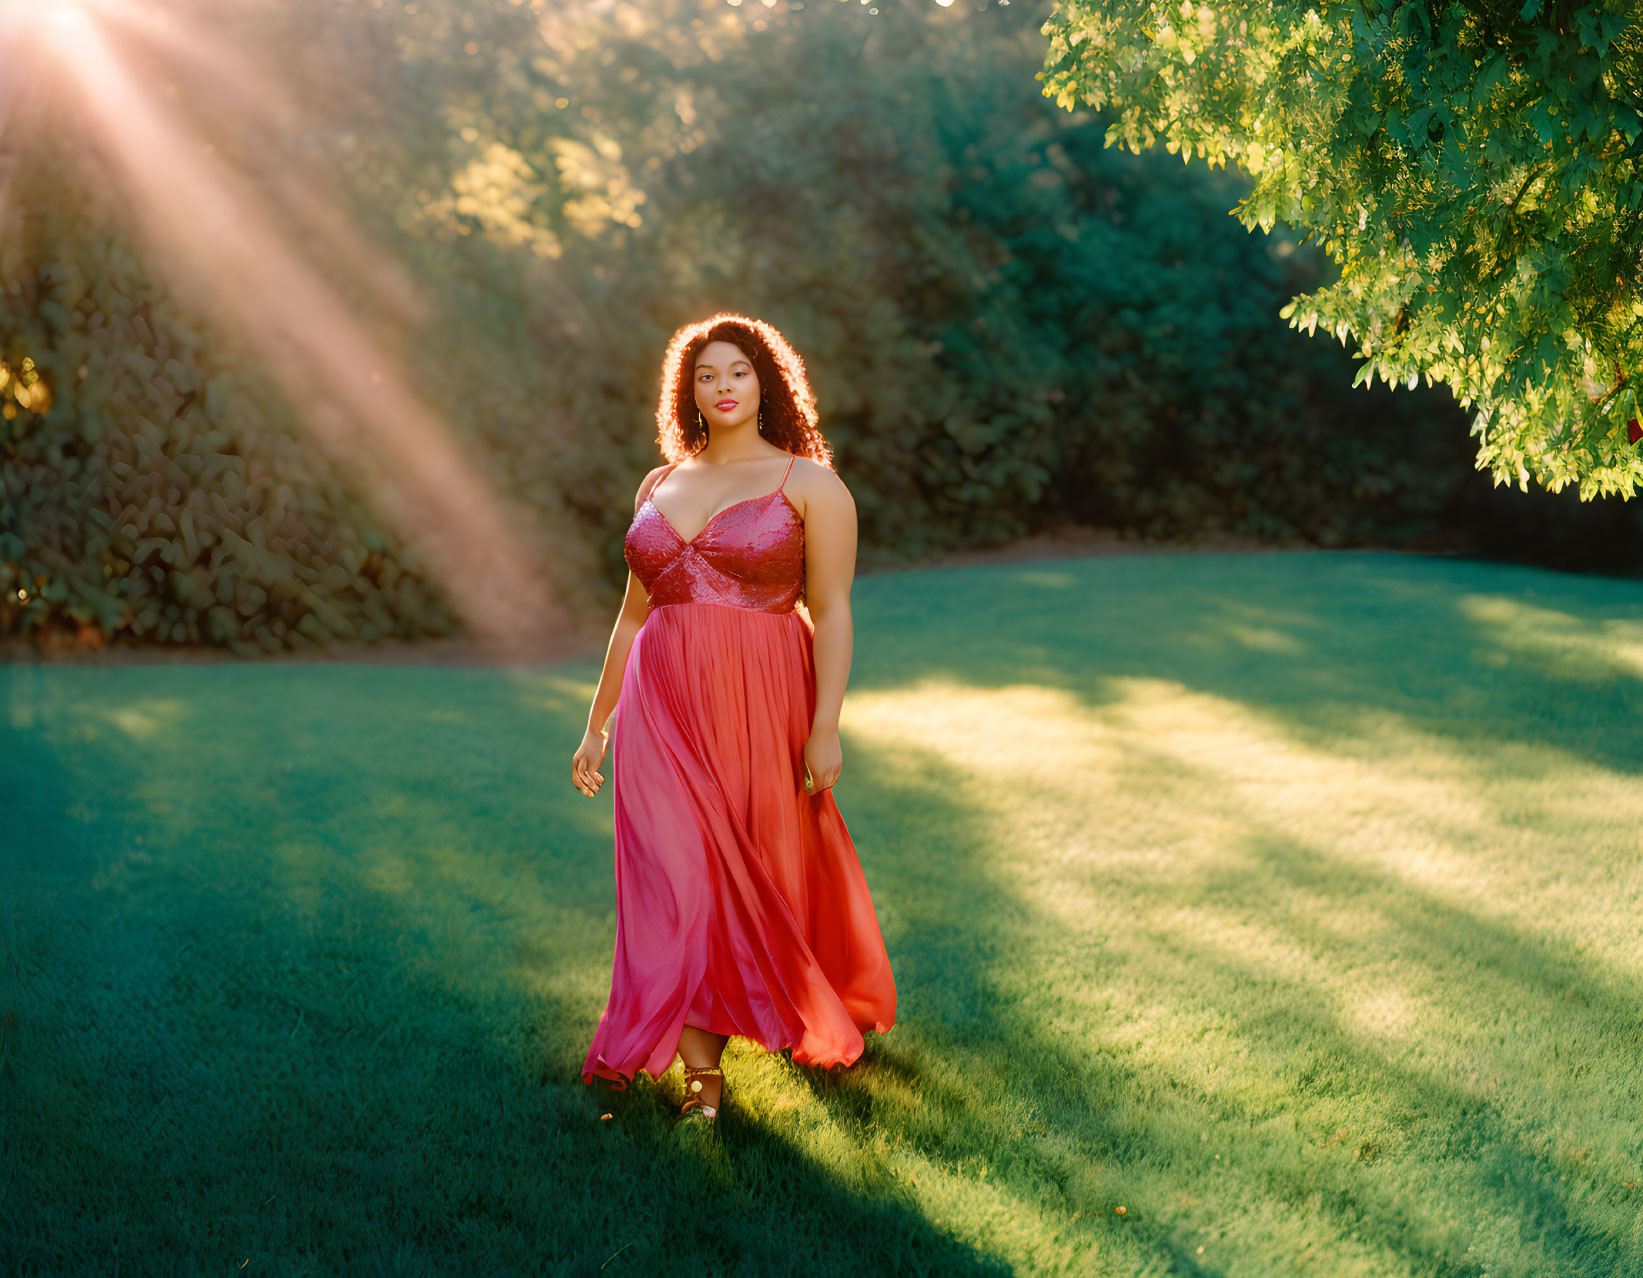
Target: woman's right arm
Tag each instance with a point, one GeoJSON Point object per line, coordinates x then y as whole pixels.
{"type": "Point", "coordinates": [585, 774]}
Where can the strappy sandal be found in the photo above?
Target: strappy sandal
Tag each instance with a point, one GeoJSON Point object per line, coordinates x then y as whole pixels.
{"type": "Point", "coordinates": [694, 1085]}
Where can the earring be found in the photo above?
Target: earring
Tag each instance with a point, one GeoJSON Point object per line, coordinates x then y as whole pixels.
{"type": "Point", "coordinates": [700, 421]}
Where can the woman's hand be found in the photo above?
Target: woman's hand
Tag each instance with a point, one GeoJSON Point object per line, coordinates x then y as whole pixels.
{"type": "Point", "coordinates": [584, 767]}
{"type": "Point", "coordinates": [824, 757]}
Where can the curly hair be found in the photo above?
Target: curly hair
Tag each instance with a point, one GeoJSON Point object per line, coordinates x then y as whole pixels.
{"type": "Point", "coordinates": [787, 409]}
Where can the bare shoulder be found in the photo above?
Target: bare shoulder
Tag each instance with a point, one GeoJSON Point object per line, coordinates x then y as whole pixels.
{"type": "Point", "coordinates": [646, 484]}
{"type": "Point", "coordinates": [817, 489]}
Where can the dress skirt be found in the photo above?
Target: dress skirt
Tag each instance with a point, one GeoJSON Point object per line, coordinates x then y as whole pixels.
{"type": "Point", "coordinates": [741, 907]}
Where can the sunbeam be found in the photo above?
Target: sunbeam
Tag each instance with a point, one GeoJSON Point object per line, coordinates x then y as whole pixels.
{"type": "Point", "coordinates": [213, 233]}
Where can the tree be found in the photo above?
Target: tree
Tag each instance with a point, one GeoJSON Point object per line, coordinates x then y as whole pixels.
{"type": "Point", "coordinates": [1475, 168]}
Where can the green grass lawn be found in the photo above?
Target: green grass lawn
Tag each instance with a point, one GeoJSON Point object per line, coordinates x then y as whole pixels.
{"type": "Point", "coordinates": [1292, 903]}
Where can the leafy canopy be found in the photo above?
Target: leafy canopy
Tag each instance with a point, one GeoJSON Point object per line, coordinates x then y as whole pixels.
{"type": "Point", "coordinates": [1475, 168]}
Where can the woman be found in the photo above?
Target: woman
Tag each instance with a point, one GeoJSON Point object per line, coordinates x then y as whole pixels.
{"type": "Point", "coordinates": [740, 904]}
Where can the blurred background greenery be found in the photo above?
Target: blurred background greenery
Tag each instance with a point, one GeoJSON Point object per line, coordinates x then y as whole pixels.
{"type": "Point", "coordinates": [1009, 327]}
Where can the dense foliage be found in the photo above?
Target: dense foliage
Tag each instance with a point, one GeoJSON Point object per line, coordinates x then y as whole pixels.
{"type": "Point", "coordinates": [1006, 323]}
{"type": "Point", "coordinates": [162, 489]}
{"type": "Point", "coordinates": [1475, 169]}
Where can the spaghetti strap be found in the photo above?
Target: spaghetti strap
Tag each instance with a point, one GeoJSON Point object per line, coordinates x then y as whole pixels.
{"type": "Point", "coordinates": [651, 492]}
{"type": "Point", "coordinates": [742, 908]}
{"type": "Point", "coordinates": [668, 470]}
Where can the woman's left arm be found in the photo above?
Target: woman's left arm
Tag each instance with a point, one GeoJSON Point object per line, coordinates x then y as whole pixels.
{"type": "Point", "coordinates": [829, 570]}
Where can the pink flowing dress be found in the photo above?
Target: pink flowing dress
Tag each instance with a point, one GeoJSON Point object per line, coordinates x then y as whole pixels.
{"type": "Point", "coordinates": [741, 907]}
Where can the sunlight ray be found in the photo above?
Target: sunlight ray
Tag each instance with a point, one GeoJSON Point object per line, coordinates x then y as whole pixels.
{"type": "Point", "coordinates": [211, 232]}
{"type": "Point", "coordinates": [1393, 799]}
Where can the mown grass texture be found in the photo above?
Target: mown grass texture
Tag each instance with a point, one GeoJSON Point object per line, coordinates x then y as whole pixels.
{"type": "Point", "coordinates": [1289, 902]}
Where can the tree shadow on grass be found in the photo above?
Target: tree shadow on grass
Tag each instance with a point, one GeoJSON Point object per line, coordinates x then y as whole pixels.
{"type": "Point", "coordinates": [342, 1026]}
{"type": "Point", "coordinates": [1490, 1118]}
{"type": "Point", "coordinates": [990, 1068]}
{"type": "Point", "coordinates": [1525, 1101]}
{"type": "Point", "coordinates": [236, 1048]}
{"type": "Point", "coordinates": [1477, 653]}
